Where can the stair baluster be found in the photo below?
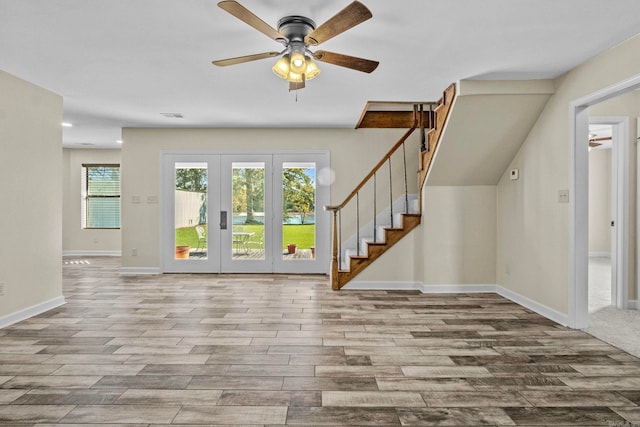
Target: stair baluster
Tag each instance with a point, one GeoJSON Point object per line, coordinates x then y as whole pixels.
{"type": "Point", "coordinates": [358, 223]}
{"type": "Point", "coordinates": [375, 208]}
{"type": "Point", "coordinates": [406, 184]}
{"type": "Point", "coordinates": [391, 191]}
{"type": "Point", "coordinates": [340, 237]}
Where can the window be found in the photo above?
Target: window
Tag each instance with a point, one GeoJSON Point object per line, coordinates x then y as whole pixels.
{"type": "Point", "coordinates": [101, 207]}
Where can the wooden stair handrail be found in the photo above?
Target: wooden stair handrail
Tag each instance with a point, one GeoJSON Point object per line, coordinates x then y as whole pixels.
{"type": "Point", "coordinates": [442, 114]}
{"type": "Point", "coordinates": [374, 170]}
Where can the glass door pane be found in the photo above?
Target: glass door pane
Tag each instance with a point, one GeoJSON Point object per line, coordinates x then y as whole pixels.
{"type": "Point", "coordinates": [190, 202]}
{"type": "Point", "coordinates": [190, 215]}
{"type": "Point", "coordinates": [302, 233]}
{"type": "Point", "coordinates": [247, 197]}
{"type": "Point", "coordinates": [299, 211]}
{"type": "Point", "coordinates": [247, 201]}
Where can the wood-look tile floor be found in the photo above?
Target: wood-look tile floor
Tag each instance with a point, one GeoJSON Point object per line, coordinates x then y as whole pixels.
{"type": "Point", "coordinates": [286, 350]}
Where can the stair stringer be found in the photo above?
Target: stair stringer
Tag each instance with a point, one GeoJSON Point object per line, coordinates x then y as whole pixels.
{"type": "Point", "coordinates": [376, 249]}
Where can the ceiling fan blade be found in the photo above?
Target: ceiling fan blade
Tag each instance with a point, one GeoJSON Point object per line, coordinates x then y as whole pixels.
{"type": "Point", "coordinates": [241, 59]}
{"type": "Point", "coordinates": [348, 17]}
{"type": "Point", "coordinates": [246, 16]}
{"type": "Point", "coordinates": [355, 63]}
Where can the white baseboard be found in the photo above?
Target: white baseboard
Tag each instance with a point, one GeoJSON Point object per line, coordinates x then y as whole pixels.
{"type": "Point", "coordinates": [600, 254]}
{"type": "Point", "coordinates": [91, 253]}
{"type": "Point", "coordinates": [28, 312]}
{"type": "Point", "coordinates": [456, 289]}
{"type": "Point", "coordinates": [135, 271]}
{"type": "Point", "coordinates": [534, 306]}
{"type": "Point", "coordinates": [417, 286]}
{"type": "Point", "coordinates": [383, 286]}
{"type": "Point", "coordinates": [541, 309]}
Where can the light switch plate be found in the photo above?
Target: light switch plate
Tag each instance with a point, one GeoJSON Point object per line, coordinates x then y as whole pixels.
{"type": "Point", "coordinates": [515, 174]}
{"type": "Point", "coordinates": [563, 196]}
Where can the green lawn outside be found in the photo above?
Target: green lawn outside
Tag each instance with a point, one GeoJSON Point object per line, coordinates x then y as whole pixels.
{"type": "Point", "coordinates": [302, 235]}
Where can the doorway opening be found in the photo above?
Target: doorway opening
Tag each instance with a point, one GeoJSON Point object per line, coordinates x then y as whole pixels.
{"type": "Point", "coordinates": [601, 239]}
{"type": "Point", "coordinates": [579, 202]}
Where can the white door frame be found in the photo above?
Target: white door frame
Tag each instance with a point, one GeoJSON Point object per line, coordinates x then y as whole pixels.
{"type": "Point", "coordinates": [619, 204]}
{"type": "Point", "coordinates": [579, 203]}
{"type": "Point", "coordinates": [321, 264]}
{"type": "Point", "coordinates": [168, 264]}
{"type": "Point", "coordinates": [229, 263]}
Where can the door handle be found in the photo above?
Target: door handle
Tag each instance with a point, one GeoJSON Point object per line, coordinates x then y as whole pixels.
{"type": "Point", "coordinates": [223, 220]}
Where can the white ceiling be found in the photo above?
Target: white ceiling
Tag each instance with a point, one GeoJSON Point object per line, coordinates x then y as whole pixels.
{"type": "Point", "coordinates": [121, 63]}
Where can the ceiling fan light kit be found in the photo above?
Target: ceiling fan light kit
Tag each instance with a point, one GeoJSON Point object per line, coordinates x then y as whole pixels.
{"type": "Point", "coordinates": [296, 63]}
{"type": "Point", "coordinates": [287, 69]}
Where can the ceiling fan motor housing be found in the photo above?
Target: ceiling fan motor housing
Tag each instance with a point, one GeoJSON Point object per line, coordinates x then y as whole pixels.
{"type": "Point", "coordinates": [295, 28]}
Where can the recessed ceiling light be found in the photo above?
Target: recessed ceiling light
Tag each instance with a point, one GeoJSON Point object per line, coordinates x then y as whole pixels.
{"type": "Point", "coordinates": [172, 115]}
{"type": "Point", "coordinates": [66, 125]}
{"type": "Point", "coordinates": [119, 141]}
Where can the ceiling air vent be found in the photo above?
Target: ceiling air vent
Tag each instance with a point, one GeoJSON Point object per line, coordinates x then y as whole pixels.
{"type": "Point", "coordinates": [172, 115]}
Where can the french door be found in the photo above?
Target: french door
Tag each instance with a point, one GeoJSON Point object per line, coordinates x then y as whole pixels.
{"type": "Point", "coordinates": [232, 213]}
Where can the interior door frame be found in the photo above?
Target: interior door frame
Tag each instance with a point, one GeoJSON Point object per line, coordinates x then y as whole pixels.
{"type": "Point", "coordinates": [619, 134]}
{"type": "Point", "coordinates": [579, 203]}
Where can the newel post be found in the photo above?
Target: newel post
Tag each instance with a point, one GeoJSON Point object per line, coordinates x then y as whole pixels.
{"type": "Point", "coordinates": [334, 257]}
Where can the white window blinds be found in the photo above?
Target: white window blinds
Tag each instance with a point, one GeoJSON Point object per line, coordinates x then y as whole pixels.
{"type": "Point", "coordinates": [102, 196]}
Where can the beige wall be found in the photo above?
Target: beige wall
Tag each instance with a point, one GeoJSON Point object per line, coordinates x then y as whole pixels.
{"type": "Point", "coordinates": [75, 239]}
{"type": "Point", "coordinates": [31, 194]}
{"type": "Point", "coordinates": [454, 245]}
{"type": "Point", "coordinates": [533, 228]}
{"type": "Point", "coordinates": [459, 235]}
{"type": "Point", "coordinates": [600, 201]}
{"type": "Point", "coordinates": [353, 154]}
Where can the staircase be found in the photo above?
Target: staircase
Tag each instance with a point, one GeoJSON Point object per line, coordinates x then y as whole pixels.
{"type": "Point", "coordinates": [386, 226]}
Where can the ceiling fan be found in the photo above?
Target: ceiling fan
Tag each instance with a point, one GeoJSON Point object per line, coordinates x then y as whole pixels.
{"type": "Point", "coordinates": [297, 33]}
{"type": "Point", "coordinates": [594, 141]}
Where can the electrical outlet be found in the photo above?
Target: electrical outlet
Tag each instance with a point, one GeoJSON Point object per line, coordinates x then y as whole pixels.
{"type": "Point", "coordinates": [563, 196]}
{"type": "Point", "coordinates": [134, 252]}
{"type": "Point", "coordinates": [515, 174]}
